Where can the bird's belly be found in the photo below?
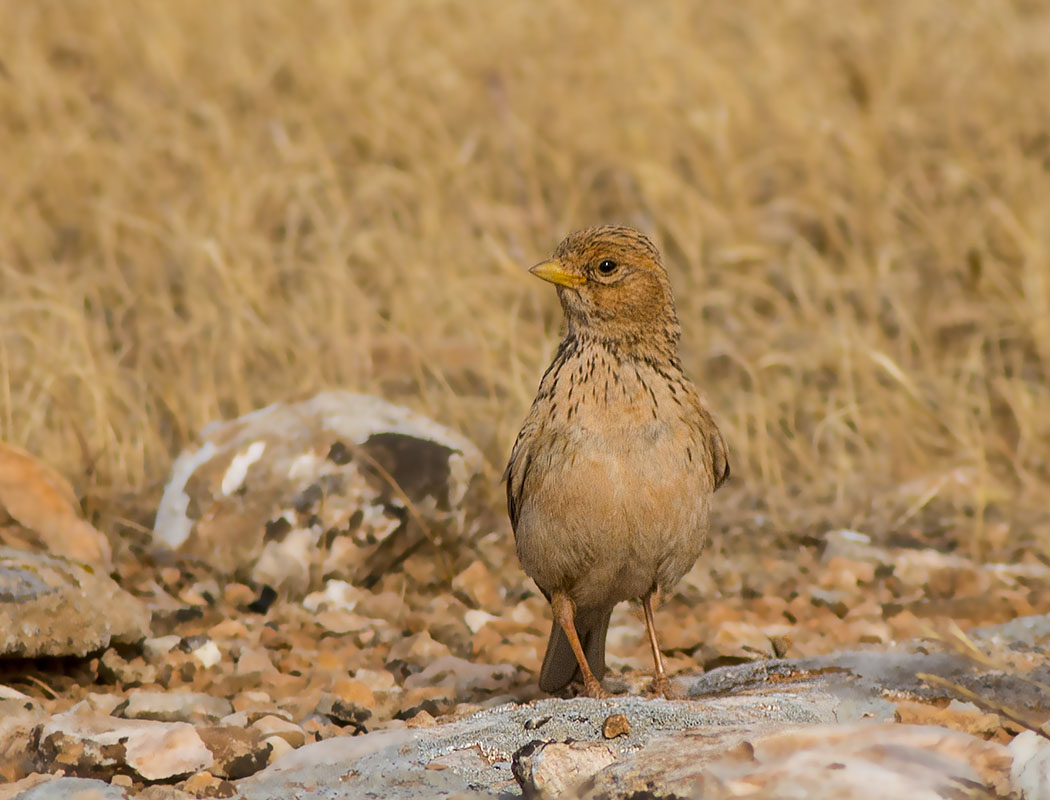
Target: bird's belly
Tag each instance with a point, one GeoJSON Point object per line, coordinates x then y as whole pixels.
{"type": "Point", "coordinates": [607, 525]}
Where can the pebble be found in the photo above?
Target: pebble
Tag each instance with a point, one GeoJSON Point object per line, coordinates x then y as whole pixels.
{"type": "Point", "coordinates": [376, 680]}
{"type": "Point", "coordinates": [615, 725]}
{"type": "Point", "coordinates": [156, 649]}
{"type": "Point", "coordinates": [208, 654]}
{"type": "Point", "coordinates": [272, 725]}
{"type": "Point", "coordinates": [479, 587]}
{"type": "Point", "coordinates": [279, 746]}
{"type": "Point", "coordinates": [418, 650]}
{"type": "Point", "coordinates": [175, 706]}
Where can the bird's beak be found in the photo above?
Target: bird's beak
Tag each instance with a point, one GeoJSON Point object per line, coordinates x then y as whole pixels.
{"type": "Point", "coordinates": [555, 272]}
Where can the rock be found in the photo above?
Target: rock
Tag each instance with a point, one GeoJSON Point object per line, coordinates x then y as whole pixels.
{"type": "Point", "coordinates": [973, 722]}
{"type": "Point", "coordinates": [866, 761]}
{"type": "Point", "coordinates": [52, 607]}
{"type": "Point", "coordinates": [341, 711]}
{"type": "Point", "coordinates": [376, 680]}
{"type": "Point", "coordinates": [552, 770]}
{"type": "Point", "coordinates": [156, 649]}
{"type": "Point", "coordinates": [208, 654]}
{"type": "Point", "coordinates": [95, 745]}
{"type": "Point", "coordinates": [42, 505]}
{"type": "Point", "coordinates": [1030, 772]}
{"type": "Point", "coordinates": [341, 484]}
{"type": "Point", "coordinates": [863, 679]}
{"type": "Point", "coordinates": [236, 752]}
{"type": "Point", "coordinates": [114, 668]}
{"type": "Point", "coordinates": [19, 715]}
{"type": "Point", "coordinates": [175, 706]}
{"type": "Point", "coordinates": [615, 725]}
{"type": "Point", "coordinates": [204, 784]}
{"type": "Point", "coordinates": [279, 746]}
{"type": "Point", "coordinates": [417, 650]}
{"type": "Point", "coordinates": [354, 693]}
{"type": "Point", "coordinates": [72, 789]}
{"type": "Point", "coordinates": [397, 762]}
{"type": "Point", "coordinates": [271, 725]}
{"type": "Point", "coordinates": [465, 678]}
{"type": "Point", "coordinates": [478, 586]}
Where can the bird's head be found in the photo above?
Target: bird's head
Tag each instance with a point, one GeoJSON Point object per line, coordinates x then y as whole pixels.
{"type": "Point", "coordinates": [614, 289]}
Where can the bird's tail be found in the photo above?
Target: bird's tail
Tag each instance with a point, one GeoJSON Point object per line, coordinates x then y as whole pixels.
{"type": "Point", "coordinates": [559, 663]}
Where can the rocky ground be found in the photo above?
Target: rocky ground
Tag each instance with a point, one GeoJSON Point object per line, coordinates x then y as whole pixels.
{"type": "Point", "coordinates": [326, 615]}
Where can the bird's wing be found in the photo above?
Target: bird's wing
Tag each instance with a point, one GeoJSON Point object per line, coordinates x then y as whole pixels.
{"type": "Point", "coordinates": [518, 469]}
{"type": "Point", "coordinates": [719, 456]}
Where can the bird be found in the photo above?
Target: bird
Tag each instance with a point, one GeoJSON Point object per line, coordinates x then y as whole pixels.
{"type": "Point", "coordinates": [610, 479]}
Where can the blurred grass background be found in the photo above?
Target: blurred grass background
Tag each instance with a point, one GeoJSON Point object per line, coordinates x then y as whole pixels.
{"type": "Point", "coordinates": [206, 207]}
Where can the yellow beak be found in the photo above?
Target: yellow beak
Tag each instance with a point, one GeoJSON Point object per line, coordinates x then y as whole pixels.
{"type": "Point", "coordinates": [555, 272]}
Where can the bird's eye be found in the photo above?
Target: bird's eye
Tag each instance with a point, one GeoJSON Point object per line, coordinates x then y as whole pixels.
{"type": "Point", "coordinates": [607, 267]}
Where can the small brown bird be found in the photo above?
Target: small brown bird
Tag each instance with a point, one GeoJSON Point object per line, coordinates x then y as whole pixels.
{"type": "Point", "coordinates": [610, 480]}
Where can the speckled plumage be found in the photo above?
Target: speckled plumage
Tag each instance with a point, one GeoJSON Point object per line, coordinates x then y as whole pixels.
{"type": "Point", "coordinates": [610, 479]}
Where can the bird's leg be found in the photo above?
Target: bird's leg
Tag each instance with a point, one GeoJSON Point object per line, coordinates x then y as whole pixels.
{"type": "Point", "coordinates": [661, 686]}
{"type": "Point", "coordinates": [565, 615]}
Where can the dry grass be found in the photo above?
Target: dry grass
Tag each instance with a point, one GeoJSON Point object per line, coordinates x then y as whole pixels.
{"type": "Point", "coordinates": [209, 206]}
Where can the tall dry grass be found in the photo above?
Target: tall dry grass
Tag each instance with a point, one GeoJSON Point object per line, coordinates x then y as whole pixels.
{"type": "Point", "coordinates": [209, 206]}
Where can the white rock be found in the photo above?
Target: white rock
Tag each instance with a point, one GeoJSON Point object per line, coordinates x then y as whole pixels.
{"type": "Point", "coordinates": [1030, 773]}
{"type": "Point", "coordinates": [98, 744]}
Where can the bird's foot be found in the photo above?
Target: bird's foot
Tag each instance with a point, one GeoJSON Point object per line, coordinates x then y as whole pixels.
{"type": "Point", "coordinates": [592, 688]}
{"type": "Point", "coordinates": [661, 687]}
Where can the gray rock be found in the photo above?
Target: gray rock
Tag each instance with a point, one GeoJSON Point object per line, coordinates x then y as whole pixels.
{"type": "Point", "coordinates": [52, 607]}
{"type": "Point", "coordinates": [861, 761]}
{"type": "Point", "coordinates": [862, 679]}
{"type": "Point", "coordinates": [175, 706]}
{"type": "Point", "coordinates": [342, 484]}
{"type": "Point", "coordinates": [475, 754]}
{"type": "Point", "coordinates": [73, 789]}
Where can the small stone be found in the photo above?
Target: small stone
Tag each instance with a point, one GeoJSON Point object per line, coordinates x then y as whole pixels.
{"type": "Point", "coordinates": [973, 722]}
{"type": "Point", "coordinates": [479, 587]}
{"type": "Point", "coordinates": [463, 677]}
{"type": "Point", "coordinates": [228, 629]}
{"type": "Point", "coordinates": [376, 680]}
{"type": "Point", "coordinates": [435, 700]}
{"type": "Point", "coordinates": [204, 784]}
{"type": "Point", "coordinates": [278, 747]}
{"type": "Point", "coordinates": [550, 770]}
{"type": "Point", "coordinates": [355, 693]}
{"type": "Point", "coordinates": [318, 727]}
{"type": "Point", "coordinates": [102, 702]}
{"type": "Point", "coordinates": [175, 706]}
{"type": "Point", "coordinates": [477, 619]}
{"type": "Point", "coordinates": [170, 576]}
{"type": "Point", "coordinates": [418, 650]}
{"type": "Point", "coordinates": [254, 660]}
{"type": "Point", "coordinates": [615, 725]}
{"type": "Point", "coordinates": [344, 713]}
{"type": "Point", "coordinates": [272, 725]}
{"type": "Point", "coordinates": [237, 752]}
{"type": "Point", "coordinates": [421, 720]}
{"type": "Point", "coordinates": [156, 649]}
{"type": "Point", "coordinates": [113, 668]}
{"type": "Point", "coordinates": [343, 622]}
{"type": "Point", "coordinates": [208, 654]}
{"type": "Point", "coordinates": [123, 781]}
{"type": "Point", "coordinates": [238, 595]}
